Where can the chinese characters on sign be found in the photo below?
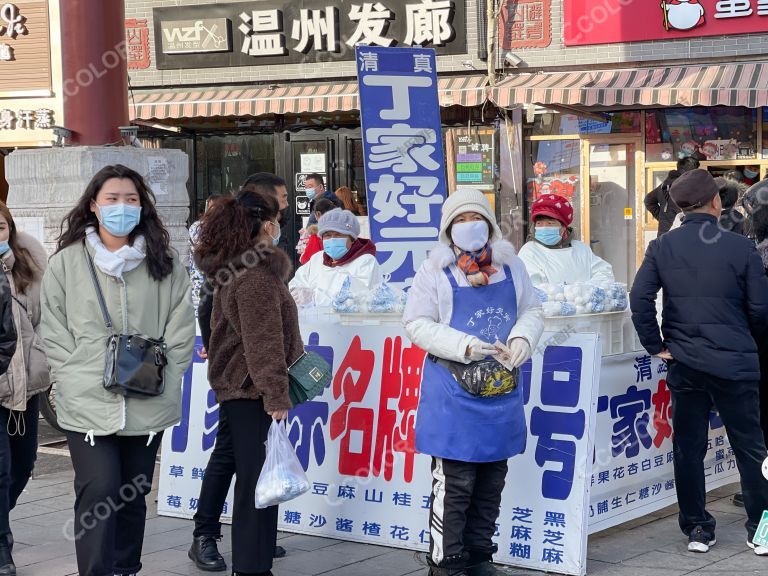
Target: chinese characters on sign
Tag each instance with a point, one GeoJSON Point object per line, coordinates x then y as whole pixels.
{"type": "Point", "coordinates": [403, 145]}
{"type": "Point", "coordinates": [587, 22]}
{"type": "Point", "coordinates": [310, 31]}
{"type": "Point", "coordinates": [525, 24]}
{"type": "Point", "coordinates": [12, 24]}
{"type": "Point", "coordinates": [137, 44]}
{"type": "Point", "coordinates": [41, 119]}
{"type": "Point", "coordinates": [368, 483]}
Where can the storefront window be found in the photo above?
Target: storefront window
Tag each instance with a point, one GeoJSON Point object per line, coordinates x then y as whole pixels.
{"type": "Point", "coordinates": [765, 133]}
{"type": "Point", "coordinates": [555, 168]}
{"type": "Point", "coordinates": [552, 123]}
{"type": "Point", "coordinates": [716, 133]}
{"type": "Point", "coordinates": [224, 162]}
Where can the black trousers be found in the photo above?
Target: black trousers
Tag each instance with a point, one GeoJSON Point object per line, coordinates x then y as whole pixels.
{"type": "Point", "coordinates": [218, 477]}
{"type": "Point", "coordinates": [694, 393]}
{"type": "Point", "coordinates": [18, 452]}
{"type": "Point", "coordinates": [465, 505]}
{"type": "Point", "coordinates": [112, 479]}
{"type": "Point", "coordinates": [254, 532]}
{"type": "Point", "coordinates": [763, 349]}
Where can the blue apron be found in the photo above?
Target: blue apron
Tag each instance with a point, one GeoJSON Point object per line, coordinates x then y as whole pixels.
{"type": "Point", "coordinates": [453, 424]}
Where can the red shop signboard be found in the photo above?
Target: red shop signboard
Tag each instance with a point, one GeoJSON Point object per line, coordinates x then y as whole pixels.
{"type": "Point", "coordinates": [615, 21]}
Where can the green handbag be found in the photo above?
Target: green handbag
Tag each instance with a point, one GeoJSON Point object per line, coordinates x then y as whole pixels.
{"type": "Point", "coordinates": [308, 377]}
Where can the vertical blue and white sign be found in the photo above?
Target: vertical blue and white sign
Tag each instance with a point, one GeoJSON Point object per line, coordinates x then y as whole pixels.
{"type": "Point", "coordinates": [404, 163]}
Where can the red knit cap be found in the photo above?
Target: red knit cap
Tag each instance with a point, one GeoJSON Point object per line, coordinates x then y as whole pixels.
{"type": "Point", "coordinates": [553, 206]}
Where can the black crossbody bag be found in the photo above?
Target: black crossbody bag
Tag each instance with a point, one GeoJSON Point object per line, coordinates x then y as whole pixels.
{"type": "Point", "coordinates": [135, 365]}
{"type": "Point", "coordinates": [485, 379]}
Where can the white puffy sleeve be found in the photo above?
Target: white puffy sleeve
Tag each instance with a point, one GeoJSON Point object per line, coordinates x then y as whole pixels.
{"type": "Point", "coordinates": [422, 318]}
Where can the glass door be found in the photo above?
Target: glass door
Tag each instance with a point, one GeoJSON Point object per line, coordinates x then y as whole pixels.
{"type": "Point", "coordinates": [613, 210]}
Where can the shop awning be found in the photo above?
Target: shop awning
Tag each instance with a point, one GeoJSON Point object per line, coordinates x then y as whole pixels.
{"type": "Point", "coordinates": [282, 99]}
{"type": "Point", "coordinates": [726, 85]}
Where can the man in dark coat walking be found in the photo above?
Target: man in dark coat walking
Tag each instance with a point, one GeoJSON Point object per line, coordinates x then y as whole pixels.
{"type": "Point", "coordinates": [715, 304]}
{"type": "Point", "coordinates": [658, 201]}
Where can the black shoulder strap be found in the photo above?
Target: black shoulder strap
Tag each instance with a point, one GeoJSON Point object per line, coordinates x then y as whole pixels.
{"type": "Point", "coordinates": [99, 293]}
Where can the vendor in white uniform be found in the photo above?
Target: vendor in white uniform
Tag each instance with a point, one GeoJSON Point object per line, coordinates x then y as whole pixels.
{"type": "Point", "coordinates": [344, 256]}
{"type": "Point", "coordinates": [552, 256]}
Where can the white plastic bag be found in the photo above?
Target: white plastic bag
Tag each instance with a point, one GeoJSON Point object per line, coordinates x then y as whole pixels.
{"type": "Point", "coordinates": [282, 478]}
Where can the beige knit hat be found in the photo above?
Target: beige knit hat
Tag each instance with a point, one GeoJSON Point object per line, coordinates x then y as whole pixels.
{"type": "Point", "coordinates": [466, 200]}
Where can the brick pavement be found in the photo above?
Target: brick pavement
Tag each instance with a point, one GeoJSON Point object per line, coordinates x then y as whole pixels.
{"type": "Point", "coordinates": [652, 546]}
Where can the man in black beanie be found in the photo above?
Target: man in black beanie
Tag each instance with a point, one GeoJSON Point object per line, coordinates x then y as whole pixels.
{"type": "Point", "coordinates": [715, 305]}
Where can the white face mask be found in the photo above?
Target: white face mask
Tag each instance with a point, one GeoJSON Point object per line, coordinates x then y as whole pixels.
{"type": "Point", "coordinates": [470, 236]}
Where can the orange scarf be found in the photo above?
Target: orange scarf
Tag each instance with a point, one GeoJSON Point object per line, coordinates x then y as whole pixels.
{"type": "Point", "coordinates": [477, 266]}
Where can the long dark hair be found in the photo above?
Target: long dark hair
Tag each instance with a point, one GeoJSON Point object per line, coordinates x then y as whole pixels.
{"type": "Point", "coordinates": [25, 269]}
{"type": "Point", "coordinates": [230, 231]}
{"type": "Point", "coordinates": [158, 241]}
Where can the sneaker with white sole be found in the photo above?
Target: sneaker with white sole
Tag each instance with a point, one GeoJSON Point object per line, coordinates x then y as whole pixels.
{"type": "Point", "coordinates": [699, 541]}
{"type": "Point", "coordinates": [759, 550]}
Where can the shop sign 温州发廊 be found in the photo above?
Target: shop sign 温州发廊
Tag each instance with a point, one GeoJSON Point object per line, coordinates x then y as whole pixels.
{"type": "Point", "coordinates": [617, 21]}
{"type": "Point", "coordinates": [307, 31]}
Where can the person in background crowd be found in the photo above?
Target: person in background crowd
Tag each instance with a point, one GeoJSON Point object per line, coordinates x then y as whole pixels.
{"type": "Point", "coordinates": [755, 226]}
{"type": "Point", "coordinates": [551, 255]}
{"type": "Point", "coordinates": [147, 291]}
{"type": "Point", "coordinates": [315, 190]}
{"type": "Point", "coordinates": [731, 192]}
{"type": "Point", "coordinates": [470, 438]}
{"type": "Point", "coordinates": [344, 255]}
{"type": "Point", "coordinates": [204, 551]}
{"type": "Point", "coordinates": [23, 260]}
{"type": "Point", "coordinates": [751, 175]}
{"type": "Point", "coordinates": [658, 201]}
{"type": "Point", "coordinates": [715, 305]}
{"type": "Point", "coordinates": [314, 242]}
{"type": "Point", "coordinates": [255, 338]}
{"type": "Point", "coordinates": [194, 273]}
{"type": "Point", "coordinates": [258, 181]}
{"type": "Point", "coordinates": [348, 201]}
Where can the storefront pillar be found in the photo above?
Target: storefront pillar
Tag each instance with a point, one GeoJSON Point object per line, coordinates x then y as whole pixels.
{"type": "Point", "coordinates": [94, 69]}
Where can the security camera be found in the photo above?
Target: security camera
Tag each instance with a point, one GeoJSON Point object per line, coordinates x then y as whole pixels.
{"type": "Point", "coordinates": [512, 60]}
{"type": "Point", "coordinates": [469, 65]}
{"type": "Point", "coordinates": [61, 134]}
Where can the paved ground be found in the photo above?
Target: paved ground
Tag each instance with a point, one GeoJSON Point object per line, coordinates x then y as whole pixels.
{"type": "Point", "coordinates": [652, 546]}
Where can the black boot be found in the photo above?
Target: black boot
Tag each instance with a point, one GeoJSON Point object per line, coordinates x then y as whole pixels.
{"type": "Point", "coordinates": [451, 566]}
{"type": "Point", "coordinates": [7, 567]}
{"type": "Point", "coordinates": [481, 564]}
{"type": "Point", "coordinates": [205, 554]}
{"type": "Point", "coordinates": [279, 552]}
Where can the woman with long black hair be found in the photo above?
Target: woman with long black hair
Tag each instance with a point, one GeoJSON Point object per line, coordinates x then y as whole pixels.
{"type": "Point", "coordinates": [255, 337]}
{"type": "Point", "coordinates": [113, 241]}
{"type": "Point", "coordinates": [23, 261]}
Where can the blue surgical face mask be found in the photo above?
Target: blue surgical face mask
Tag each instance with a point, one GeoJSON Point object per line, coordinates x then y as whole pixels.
{"type": "Point", "coordinates": [548, 235]}
{"type": "Point", "coordinates": [311, 193]}
{"type": "Point", "coordinates": [276, 239]}
{"type": "Point", "coordinates": [336, 248]}
{"type": "Point", "coordinates": [4, 247]}
{"type": "Point", "coordinates": [120, 219]}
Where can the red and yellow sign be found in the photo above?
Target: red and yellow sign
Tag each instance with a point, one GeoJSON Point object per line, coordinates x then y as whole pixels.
{"type": "Point", "coordinates": [616, 21]}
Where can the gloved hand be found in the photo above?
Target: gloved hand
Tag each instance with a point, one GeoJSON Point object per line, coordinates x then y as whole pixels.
{"type": "Point", "coordinates": [303, 296]}
{"type": "Point", "coordinates": [520, 351]}
{"type": "Point", "coordinates": [479, 350]}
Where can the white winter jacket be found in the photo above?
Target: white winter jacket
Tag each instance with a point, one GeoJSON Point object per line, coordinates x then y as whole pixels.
{"type": "Point", "coordinates": [326, 282]}
{"type": "Point", "coordinates": [428, 313]}
{"type": "Point", "coordinates": [556, 265]}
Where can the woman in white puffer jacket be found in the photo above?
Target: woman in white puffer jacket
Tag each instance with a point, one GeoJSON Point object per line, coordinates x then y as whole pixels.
{"type": "Point", "coordinates": [472, 292]}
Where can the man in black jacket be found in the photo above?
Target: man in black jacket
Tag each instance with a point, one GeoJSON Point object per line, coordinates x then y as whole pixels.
{"type": "Point", "coordinates": [658, 201]}
{"type": "Point", "coordinates": [715, 300]}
